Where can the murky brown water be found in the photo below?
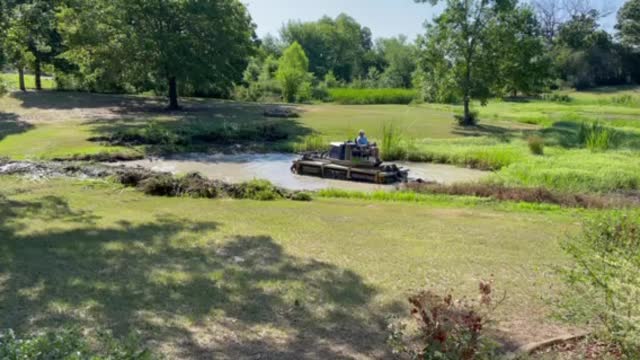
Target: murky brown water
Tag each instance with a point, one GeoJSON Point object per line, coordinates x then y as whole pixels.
{"type": "Point", "coordinates": [275, 168]}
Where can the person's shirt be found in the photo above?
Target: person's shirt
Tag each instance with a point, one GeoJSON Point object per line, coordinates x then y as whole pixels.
{"type": "Point", "coordinates": [362, 140]}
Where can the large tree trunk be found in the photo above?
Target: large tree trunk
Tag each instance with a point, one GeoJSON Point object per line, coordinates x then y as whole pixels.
{"type": "Point", "coordinates": [38, 75]}
{"type": "Point", "coordinates": [21, 79]}
{"type": "Point", "coordinates": [173, 94]}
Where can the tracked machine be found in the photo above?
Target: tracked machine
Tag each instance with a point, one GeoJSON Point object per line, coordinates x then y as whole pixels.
{"type": "Point", "coordinates": [349, 161]}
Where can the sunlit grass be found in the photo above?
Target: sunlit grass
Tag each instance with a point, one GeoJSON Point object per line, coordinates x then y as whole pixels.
{"type": "Point", "coordinates": [12, 81]}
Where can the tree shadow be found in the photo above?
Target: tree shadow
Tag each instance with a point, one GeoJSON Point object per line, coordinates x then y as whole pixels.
{"type": "Point", "coordinates": [11, 124]}
{"type": "Point", "coordinates": [567, 134]}
{"type": "Point", "coordinates": [193, 298]}
{"type": "Point", "coordinates": [497, 132]}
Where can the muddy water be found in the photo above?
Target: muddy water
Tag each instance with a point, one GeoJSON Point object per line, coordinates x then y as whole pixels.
{"type": "Point", "coordinates": [275, 168]}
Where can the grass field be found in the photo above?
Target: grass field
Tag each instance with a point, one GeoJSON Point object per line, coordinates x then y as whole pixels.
{"type": "Point", "coordinates": [239, 278]}
{"type": "Point", "coordinates": [65, 124]}
{"type": "Point", "coordinates": [12, 81]}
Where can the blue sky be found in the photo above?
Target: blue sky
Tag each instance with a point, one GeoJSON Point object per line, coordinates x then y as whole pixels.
{"type": "Point", "coordinates": [384, 17]}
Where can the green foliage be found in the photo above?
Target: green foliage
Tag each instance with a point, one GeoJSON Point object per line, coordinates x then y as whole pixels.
{"type": "Point", "coordinates": [332, 45]}
{"type": "Point", "coordinates": [3, 88]}
{"type": "Point", "coordinates": [470, 119]}
{"type": "Point", "coordinates": [459, 53]}
{"type": "Point", "coordinates": [399, 62]}
{"type": "Point", "coordinates": [293, 71]}
{"type": "Point", "coordinates": [301, 196]}
{"type": "Point", "coordinates": [536, 145]}
{"type": "Point", "coordinates": [558, 98]}
{"type": "Point", "coordinates": [194, 46]}
{"type": "Point", "coordinates": [392, 147]}
{"type": "Point", "coordinates": [596, 137]}
{"type": "Point", "coordinates": [350, 96]}
{"type": "Point", "coordinates": [604, 281]}
{"type": "Point", "coordinates": [450, 329]}
{"type": "Point", "coordinates": [314, 142]}
{"type": "Point", "coordinates": [628, 23]}
{"type": "Point", "coordinates": [70, 345]}
{"type": "Point", "coordinates": [261, 190]}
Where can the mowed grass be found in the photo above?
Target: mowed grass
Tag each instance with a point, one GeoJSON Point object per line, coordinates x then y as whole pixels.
{"type": "Point", "coordinates": [236, 278]}
{"type": "Point", "coordinates": [13, 82]}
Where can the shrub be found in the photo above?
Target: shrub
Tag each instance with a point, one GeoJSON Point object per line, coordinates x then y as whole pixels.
{"type": "Point", "coordinates": [3, 88]}
{"type": "Point", "coordinates": [559, 98]}
{"type": "Point", "coordinates": [449, 328]}
{"type": "Point", "coordinates": [604, 281]}
{"type": "Point", "coordinates": [261, 190]}
{"type": "Point", "coordinates": [536, 145]}
{"type": "Point", "coordinates": [70, 344]}
{"type": "Point", "coordinates": [301, 196]}
{"type": "Point", "coordinates": [471, 121]}
{"type": "Point", "coordinates": [392, 148]}
{"type": "Point", "coordinates": [352, 96]}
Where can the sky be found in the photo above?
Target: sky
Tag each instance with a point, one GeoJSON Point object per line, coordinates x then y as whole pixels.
{"type": "Point", "coordinates": [385, 18]}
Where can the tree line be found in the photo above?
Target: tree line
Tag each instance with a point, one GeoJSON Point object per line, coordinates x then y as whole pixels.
{"type": "Point", "coordinates": [474, 49]}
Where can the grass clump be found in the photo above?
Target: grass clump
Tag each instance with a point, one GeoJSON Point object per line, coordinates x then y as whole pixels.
{"type": "Point", "coordinates": [596, 137]}
{"type": "Point", "coordinates": [313, 142]}
{"type": "Point", "coordinates": [70, 344]}
{"type": "Point", "coordinates": [536, 145]}
{"type": "Point", "coordinates": [351, 96]}
{"type": "Point", "coordinates": [604, 283]}
{"type": "Point", "coordinates": [192, 185]}
{"type": "Point", "coordinates": [392, 147]}
{"type": "Point", "coordinates": [261, 190]}
{"type": "Point", "coordinates": [301, 196]}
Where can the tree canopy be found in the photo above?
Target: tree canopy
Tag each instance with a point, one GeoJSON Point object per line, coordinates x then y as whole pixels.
{"type": "Point", "coordinates": [202, 45]}
{"type": "Point", "coordinates": [292, 71]}
{"type": "Point", "coordinates": [629, 23]}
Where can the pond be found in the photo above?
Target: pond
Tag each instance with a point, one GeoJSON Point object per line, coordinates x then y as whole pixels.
{"type": "Point", "coordinates": [275, 167]}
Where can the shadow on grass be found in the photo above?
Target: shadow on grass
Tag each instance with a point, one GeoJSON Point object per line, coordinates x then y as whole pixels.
{"type": "Point", "coordinates": [498, 132]}
{"type": "Point", "coordinates": [567, 134]}
{"type": "Point", "coordinates": [242, 298]}
{"type": "Point", "coordinates": [11, 124]}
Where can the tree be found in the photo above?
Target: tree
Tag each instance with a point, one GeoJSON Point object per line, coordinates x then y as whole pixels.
{"type": "Point", "coordinates": [339, 45]}
{"type": "Point", "coordinates": [457, 49]}
{"type": "Point", "coordinates": [399, 61]}
{"type": "Point", "coordinates": [32, 27]}
{"type": "Point", "coordinates": [629, 23]}
{"type": "Point", "coordinates": [15, 46]}
{"type": "Point", "coordinates": [292, 71]}
{"type": "Point", "coordinates": [523, 65]}
{"type": "Point", "coordinates": [201, 44]}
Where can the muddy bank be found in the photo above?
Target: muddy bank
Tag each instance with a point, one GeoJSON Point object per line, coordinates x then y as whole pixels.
{"type": "Point", "coordinates": [152, 182]}
{"type": "Point", "coordinates": [275, 167]}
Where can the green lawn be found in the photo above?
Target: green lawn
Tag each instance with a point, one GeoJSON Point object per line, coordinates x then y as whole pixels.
{"type": "Point", "coordinates": [237, 278]}
{"type": "Point", "coordinates": [12, 81]}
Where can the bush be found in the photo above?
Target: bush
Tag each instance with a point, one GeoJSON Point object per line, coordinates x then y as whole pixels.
{"type": "Point", "coordinates": [536, 145]}
{"type": "Point", "coordinates": [3, 88]}
{"type": "Point", "coordinates": [604, 281]}
{"type": "Point", "coordinates": [471, 121]}
{"type": "Point", "coordinates": [193, 184]}
{"type": "Point", "coordinates": [69, 345]}
{"type": "Point", "coordinates": [347, 96]}
{"type": "Point", "coordinates": [449, 329]}
{"type": "Point", "coordinates": [301, 196]}
{"type": "Point", "coordinates": [558, 98]}
{"type": "Point", "coordinates": [261, 190]}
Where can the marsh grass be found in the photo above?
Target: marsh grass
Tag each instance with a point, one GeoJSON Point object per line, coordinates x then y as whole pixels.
{"type": "Point", "coordinates": [597, 137]}
{"type": "Point", "coordinates": [536, 145]}
{"type": "Point", "coordinates": [314, 142]}
{"type": "Point", "coordinates": [351, 96]}
{"type": "Point", "coordinates": [392, 143]}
